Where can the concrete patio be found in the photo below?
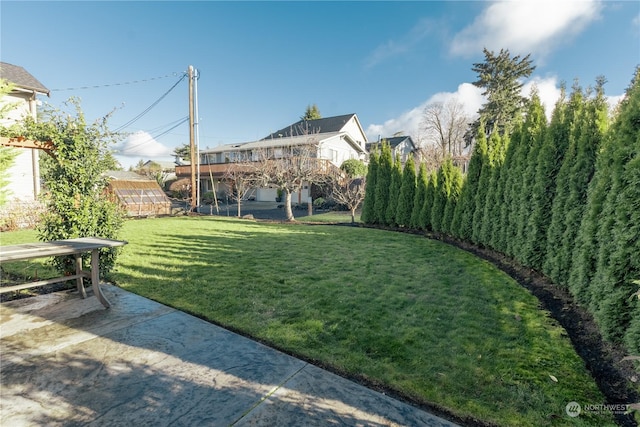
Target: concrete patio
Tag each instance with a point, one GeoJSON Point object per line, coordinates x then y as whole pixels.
{"type": "Point", "coordinates": [68, 361]}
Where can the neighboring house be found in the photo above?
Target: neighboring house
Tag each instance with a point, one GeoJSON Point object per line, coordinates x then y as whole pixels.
{"type": "Point", "coordinates": [335, 139]}
{"type": "Point", "coordinates": [141, 197]}
{"type": "Point", "coordinates": [402, 146]}
{"type": "Point", "coordinates": [24, 174]}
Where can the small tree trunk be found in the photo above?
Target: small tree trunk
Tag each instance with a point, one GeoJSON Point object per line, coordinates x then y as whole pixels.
{"type": "Point", "coordinates": [353, 216]}
{"type": "Point", "coordinates": [239, 215]}
{"type": "Point", "coordinates": [287, 205]}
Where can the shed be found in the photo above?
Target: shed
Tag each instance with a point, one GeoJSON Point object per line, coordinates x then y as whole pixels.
{"type": "Point", "coordinates": [140, 196]}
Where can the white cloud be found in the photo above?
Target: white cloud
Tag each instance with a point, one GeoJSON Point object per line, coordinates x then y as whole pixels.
{"type": "Point", "coordinates": [409, 122]}
{"type": "Point", "coordinates": [548, 91]}
{"type": "Point", "coordinates": [141, 144]}
{"type": "Point", "coordinates": [526, 26]}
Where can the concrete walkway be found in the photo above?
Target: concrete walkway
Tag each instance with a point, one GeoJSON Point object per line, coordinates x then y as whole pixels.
{"type": "Point", "coordinates": [68, 361]}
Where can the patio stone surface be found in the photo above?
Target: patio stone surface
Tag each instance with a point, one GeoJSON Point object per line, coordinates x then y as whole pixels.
{"type": "Point", "coordinates": [68, 361]}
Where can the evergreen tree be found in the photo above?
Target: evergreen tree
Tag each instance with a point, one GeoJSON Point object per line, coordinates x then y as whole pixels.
{"type": "Point", "coordinates": [534, 129]}
{"type": "Point", "coordinates": [491, 209]}
{"type": "Point", "coordinates": [501, 78]}
{"type": "Point", "coordinates": [452, 201]}
{"type": "Point", "coordinates": [489, 223]}
{"type": "Point", "coordinates": [429, 197]}
{"type": "Point", "coordinates": [496, 200]}
{"type": "Point", "coordinates": [593, 125]}
{"type": "Point", "coordinates": [508, 179]}
{"type": "Point", "coordinates": [383, 182]}
{"type": "Point", "coordinates": [550, 159]}
{"type": "Point", "coordinates": [483, 186]}
{"type": "Point", "coordinates": [368, 212]}
{"type": "Point", "coordinates": [394, 192]}
{"type": "Point", "coordinates": [463, 216]}
{"type": "Point", "coordinates": [442, 194]}
{"type": "Point", "coordinates": [418, 200]}
{"type": "Point", "coordinates": [407, 194]}
{"type": "Point", "coordinates": [311, 113]}
{"type": "Point", "coordinates": [618, 263]}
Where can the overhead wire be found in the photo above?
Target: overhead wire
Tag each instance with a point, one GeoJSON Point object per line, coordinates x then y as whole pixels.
{"type": "Point", "coordinates": [139, 116]}
{"type": "Point", "coordinates": [172, 125]}
{"type": "Point", "coordinates": [116, 84]}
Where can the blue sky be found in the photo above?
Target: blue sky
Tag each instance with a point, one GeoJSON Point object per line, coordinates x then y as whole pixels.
{"type": "Point", "coordinates": [262, 63]}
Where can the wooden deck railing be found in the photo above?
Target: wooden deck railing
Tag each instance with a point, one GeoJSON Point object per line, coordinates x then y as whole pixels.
{"type": "Point", "coordinates": [219, 169]}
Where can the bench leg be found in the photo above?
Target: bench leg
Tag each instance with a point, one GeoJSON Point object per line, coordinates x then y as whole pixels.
{"type": "Point", "coordinates": [95, 278]}
{"type": "Point", "coordinates": [79, 281]}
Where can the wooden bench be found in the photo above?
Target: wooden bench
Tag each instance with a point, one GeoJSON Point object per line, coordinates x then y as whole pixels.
{"type": "Point", "coordinates": [75, 247]}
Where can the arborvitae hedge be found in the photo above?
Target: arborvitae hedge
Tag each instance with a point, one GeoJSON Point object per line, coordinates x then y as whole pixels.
{"type": "Point", "coordinates": [463, 215]}
{"type": "Point", "coordinates": [394, 192]}
{"type": "Point", "coordinates": [425, 213]}
{"type": "Point", "coordinates": [383, 183]}
{"type": "Point", "coordinates": [566, 199]}
{"type": "Point", "coordinates": [549, 160]}
{"type": "Point", "coordinates": [493, 145]}
{"type": "Point", "coordinates": [507, 180]}
{"type": "Point", "coordinates": [407, 194]}
{"type": "Point", "coordinates": [611, 289]}
{"type": "Point", "coordinates": [368, 206]}
{"type": "Point", "coordinates": [418, 200]}
{"type": "Point", "coordinates": [454, 195]}
{"type": "Point", "coordinates": [533, 131]}
{"type": "Point", "coordinates": [443, 192]}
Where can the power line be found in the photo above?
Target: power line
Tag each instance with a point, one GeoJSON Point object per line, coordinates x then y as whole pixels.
{"type": "Point", "coordinates": [139, 116]}
{"type": "Point", "coordinates": [117, 84]}
{"type": "Point", "coordinates": [173, 125]}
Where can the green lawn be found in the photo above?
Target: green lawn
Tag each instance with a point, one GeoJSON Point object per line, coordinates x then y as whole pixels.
{"type": "Point", "coordinates": [415, 315]}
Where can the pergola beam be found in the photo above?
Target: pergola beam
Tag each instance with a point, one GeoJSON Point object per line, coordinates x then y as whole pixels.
{"type": "Point", "coordinates": [21, 142]}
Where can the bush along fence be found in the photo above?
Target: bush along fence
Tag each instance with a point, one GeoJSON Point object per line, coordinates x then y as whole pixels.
{"type": "Point", "coordinates": [562, 198]}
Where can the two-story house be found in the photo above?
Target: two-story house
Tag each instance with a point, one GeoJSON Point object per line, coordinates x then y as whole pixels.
{"type": "Point", "coordinates": [24, 173]}
{"type": "Point", "coordinates": [401, 146]}
{"type": "Point", "coordinates": [333, 139]}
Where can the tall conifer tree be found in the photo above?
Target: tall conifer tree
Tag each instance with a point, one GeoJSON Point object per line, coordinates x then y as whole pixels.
{"type": "Point", "coordinates": [394, 192]}
{"type": "Point", "coordinates": [407, 194]}
{"type": "Point", "coordinates": [368, 206]}
{"type": "Point", "coordinates": [443, 192]}
{"type": "Point", "coordinates": [534, 129]}
{"type": "Point", "coordinates": [383, 183]}
{"type": "Point", "coordinates": [429, 197]}
{"type": "Point", "coordinates": [462, 224]}
{"type": "Point", "coordinates": [418, 200]}
{"type": "Point", "coordinates": [592, 127]}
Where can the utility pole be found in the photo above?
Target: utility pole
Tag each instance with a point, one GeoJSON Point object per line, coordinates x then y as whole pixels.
{"type": "Point", "coordinates": [192, 144]}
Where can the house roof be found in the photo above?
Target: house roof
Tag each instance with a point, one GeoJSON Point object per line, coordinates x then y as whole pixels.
{"type": "Point", "coordinates": [21, 78]}
{"type": "Point", "coordinates": [270, 143]}
{"type": "Point", "coordinates": [393, 142]}
{"type": "Point", "coordinates": [125, 176]}
{"type": "Point", "coordinates": [309, 127]}
{"type": "Point", "coordinates": [164, 165]}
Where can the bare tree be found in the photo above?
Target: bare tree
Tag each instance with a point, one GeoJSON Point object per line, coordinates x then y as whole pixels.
{"type": "Point", "coordinates": [348, 191]}
{"type": "Point", "coordinates": [291, 168]}
{"type": "Point", "coordinates": [444, 126]}
{"type": "Point", "coordinates": [241, 177]}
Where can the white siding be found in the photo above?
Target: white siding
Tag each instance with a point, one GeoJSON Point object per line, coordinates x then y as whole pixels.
{"type": "Point", "coordinates": [24, 174]}
{"type": "Point", "coordinates": [355, 132]}
{"type": "Point", "coordinates": [337, 150]}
